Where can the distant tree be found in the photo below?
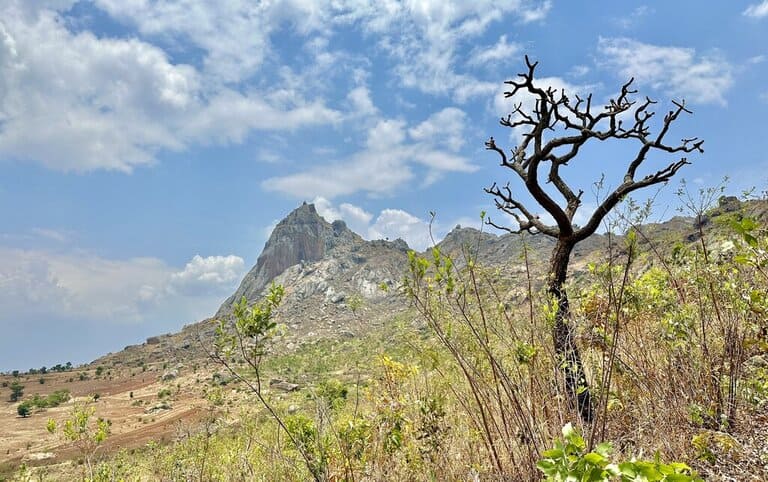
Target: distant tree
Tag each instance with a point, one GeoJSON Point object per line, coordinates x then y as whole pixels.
{"type": "Point", "coordinates": [17, 391]}
{"type": "Point", "coordinates": [24, 409]}
{"type": "Point", "coordinates": [553, 132]}
{"type": "Point", "coordinates": [15, 373]}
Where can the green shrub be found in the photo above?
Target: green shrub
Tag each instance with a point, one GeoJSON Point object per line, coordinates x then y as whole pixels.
{"type": "Point", "coordinates": [24, 409]}
{"type": "Point", "coordinates": [570, 461]}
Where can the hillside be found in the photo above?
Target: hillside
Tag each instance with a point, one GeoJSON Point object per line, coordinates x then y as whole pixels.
{"type": "Point", "coordinates": [342, 309]}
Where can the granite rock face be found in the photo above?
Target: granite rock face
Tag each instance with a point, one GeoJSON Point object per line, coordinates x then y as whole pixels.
{"type": "Point", "coordinates": [302, 237]}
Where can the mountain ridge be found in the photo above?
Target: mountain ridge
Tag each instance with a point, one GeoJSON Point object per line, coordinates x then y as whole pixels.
{"type": "Point", "coordinates": [323, 266]}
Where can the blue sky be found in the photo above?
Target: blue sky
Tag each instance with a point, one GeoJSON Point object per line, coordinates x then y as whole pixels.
{"type": "Point", "coordinates": [147, 147]}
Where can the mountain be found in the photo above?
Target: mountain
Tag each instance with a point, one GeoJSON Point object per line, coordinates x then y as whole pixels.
{"type": "Point", "coordinates": [322, 266]}
{"type": "Point", "coordinates": [326, 269]}
{"type": "Point", "coordinates": [302, 237]}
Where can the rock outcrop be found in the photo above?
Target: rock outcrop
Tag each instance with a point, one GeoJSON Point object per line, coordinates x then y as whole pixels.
{"type": "Point", "coordinates": [302, 237]}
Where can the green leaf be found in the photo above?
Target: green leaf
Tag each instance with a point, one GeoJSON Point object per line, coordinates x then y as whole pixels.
{"type": "Point", "coordinates": [604, 448]}
{"type": "Point", "coordinates": [751, 240]}
{"type": "Point", "coordinates": [546, 466]}
{"type": "Point", "coordinates": [552, 454]}
{"type": "Point", "coordinates": [678, 478]}
{"type": "Point", "coordinates": [594, 459]}
{"type": "Point", "coordinates": [628, 469]}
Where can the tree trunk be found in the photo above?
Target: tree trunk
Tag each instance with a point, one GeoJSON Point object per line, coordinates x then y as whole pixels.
{"type": "Point", "coordinates": [563, 332]}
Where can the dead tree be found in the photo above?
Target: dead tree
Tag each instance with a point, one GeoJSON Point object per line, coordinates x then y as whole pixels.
{"type": "Point", "coordinates": [553, 133]}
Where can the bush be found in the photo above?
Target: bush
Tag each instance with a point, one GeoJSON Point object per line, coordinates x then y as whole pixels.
{"type": "Point", "coordinates": [17, 390]}
{"type": "Point", "coordinates": [569, 460]}
{"type": "Point", "coordinates": [24, 409]}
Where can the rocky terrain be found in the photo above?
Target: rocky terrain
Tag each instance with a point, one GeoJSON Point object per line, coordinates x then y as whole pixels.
{"type": "Point", "coordinates": [337, 283]}
{"type": "Point", "coordinates": [338, 288]}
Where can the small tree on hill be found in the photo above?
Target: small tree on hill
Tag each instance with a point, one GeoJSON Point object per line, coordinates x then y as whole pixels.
{"type": "Point", "coordinates": [553, 133]}
{"type": "Point", "coordinates": [24, 409]}
{"type": "Point", "coordinates": [85, 432]}
{"type": "Point", "coordinates": [17, 391]}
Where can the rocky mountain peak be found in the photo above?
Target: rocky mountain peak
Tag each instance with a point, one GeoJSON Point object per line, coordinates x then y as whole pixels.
{"type": "Point", "coordinates": [302, 237]}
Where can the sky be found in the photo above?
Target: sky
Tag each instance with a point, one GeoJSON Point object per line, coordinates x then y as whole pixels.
{"type": "Point", "coordinates": [148, 147]}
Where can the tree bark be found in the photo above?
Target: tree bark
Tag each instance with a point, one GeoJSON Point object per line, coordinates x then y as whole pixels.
{"type": "Point", "coordinates": [564, 334]}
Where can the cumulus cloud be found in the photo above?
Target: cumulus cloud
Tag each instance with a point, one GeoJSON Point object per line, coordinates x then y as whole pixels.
{"type": "Point", "coordinates": [396, 223]}
{"type": "Point", "coordinates": [757, 10]}
{"type": "Point", "coordinates": [675, 71]}
{"type": "Point", "coordinates": [234, 34]}
{"type": "Point", "coordinates": [386, 159]}
{"type": "Point", "coordinates": [423, 38]}
{"type": "Point", "coordinates": [390, 223]}
{"type": "Point", "coordinates": [356, 218]}
{"type": "Point", "coordinates": [74, 101]}
{"type": "Point", "coordinates": [500, 52]}
{"type": "Point", "coordinates": [36, 283]}
{"type": "Point", "coordinates": [444, 128]}
{"type": "Point", "coordinates": [203, 273]}
{"type": "Point", "coordinates": [360, 98]}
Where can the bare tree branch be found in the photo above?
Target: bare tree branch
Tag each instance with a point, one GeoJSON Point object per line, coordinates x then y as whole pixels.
{"type": "Point", "coordinates": [575, 124]}
{"type": "Point", "coordinates": [621, 118]}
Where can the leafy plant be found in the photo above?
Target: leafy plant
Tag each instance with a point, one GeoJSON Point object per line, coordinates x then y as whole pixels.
{"type": "Point", "coordinates": [24, 409]}
{"type": "Point", "coordinates": [85, 432]}
{"type": "Point", "coordinates": [570, 461]}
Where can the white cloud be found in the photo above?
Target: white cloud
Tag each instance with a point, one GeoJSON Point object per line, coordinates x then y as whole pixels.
{"type": "Point", "coordinates": [360, 98]}
{"type": "Point", "coordinates": [535, 14]}
{"type": "Point", "coordinates": [634, 17]}
{"type": "Point", "coordinates": [390, 223]}
{"type": "Point", "coordinates": [424, 37]}
{"type": "Point", "coordinates": [78, 102]}
{"type": "Point", "coordinates": [203, 273]}
{"type": "Point", "coordinates": [377, 173]}
{"type": "Point", "coordinates": [444, 128]}
{"type": "Point", "coordinates": [52, 234]}
{"type": "Point", "coordinates": [356, 218]}
{"type": "Point", "coordinates": [757, 10]}
{"type": "Point", "coordinates": [673, 70]}
{"type": "Point", "coordinates": [75, 101]}
{"type": "Point", "coordinates": [499, 52]}
{"type": "Point", "coordinates": [81, 286]}
{"type": "Point", "coordinates": [396, 223]}
{"type": "Point", "coordinates": [236, 35]}
{"type": "Point", "coordinates": [386, 160]}
{"type": "Point", "coordinates": [579, 70]}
